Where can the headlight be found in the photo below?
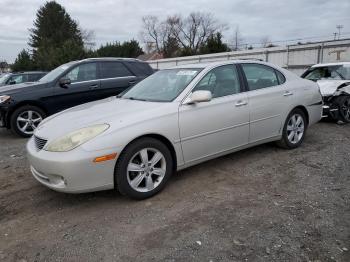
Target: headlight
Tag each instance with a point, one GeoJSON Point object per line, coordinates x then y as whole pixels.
{"type": "Point", "coordinates": [4, 99]}
{"type": "Point", "coordinates": [76, 138]}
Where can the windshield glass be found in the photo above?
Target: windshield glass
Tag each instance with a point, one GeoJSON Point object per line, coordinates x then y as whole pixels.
{"type": "Point", "coordinates": [162, 86]}
{"type": "Point", "coordinates": [54, 73]}
{"type": "Point", "coordinates": [338, 72]}
{"type": "Point", "coordinates": [4, 78]}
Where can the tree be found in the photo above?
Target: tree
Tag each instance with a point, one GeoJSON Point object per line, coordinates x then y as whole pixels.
{"type": "Point", "coordinates": [193, 31]}
{"type": "Point", "coordinates": [265, 41]}
{"type": "Point", "coordinates": [176, 32]}
{"type": "Point", "coordinates": [54, 31]}
{"type": "Point", "coordinates": [23, 62]}
{"type": "Point", "coordinates": [214, 44]}
{"type": "Point", "coordinates": [126, 49]}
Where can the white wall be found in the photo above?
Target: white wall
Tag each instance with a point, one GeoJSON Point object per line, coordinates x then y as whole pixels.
{"type": "Point", "coordinates": [296, 58]}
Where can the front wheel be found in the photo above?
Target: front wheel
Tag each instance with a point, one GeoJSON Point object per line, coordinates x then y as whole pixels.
{"type": "Point", "coordinates": [143, 168]}
{"type": "Point", "coordinates": [344, 108]}
{"type": "Point", "coordinates": [26, 119]}
{"type": "Point", "coordinates": [294, 130]}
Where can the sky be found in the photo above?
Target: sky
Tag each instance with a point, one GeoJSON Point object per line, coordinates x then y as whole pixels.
{"type": "Point", "coordinates": [120, 20]}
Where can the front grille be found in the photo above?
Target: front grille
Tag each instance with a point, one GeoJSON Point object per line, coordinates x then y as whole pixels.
{"type": "Point", "coordinates": [39, 142]}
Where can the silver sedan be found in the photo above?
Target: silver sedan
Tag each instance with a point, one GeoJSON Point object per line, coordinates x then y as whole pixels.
{"type": "Point", "coordinates": [174, 119]}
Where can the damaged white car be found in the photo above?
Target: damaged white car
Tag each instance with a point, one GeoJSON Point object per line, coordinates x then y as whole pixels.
{"type": "Point", "coordinates": [334, 82]}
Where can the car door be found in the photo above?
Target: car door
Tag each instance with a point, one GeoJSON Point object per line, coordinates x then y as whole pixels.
{"type": "Point", "coordinates": [84, 83]}
{"type": "Point", "coordinates": [115, 78]}
{"type": "Point", "coordinates": [268, 100]}
{"type": "Point", "coordinates": [217, 126]}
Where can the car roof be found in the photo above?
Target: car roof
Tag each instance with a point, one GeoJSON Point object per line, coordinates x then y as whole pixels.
{"type": "Point", "coordinates": [112, 59]}
{"type": "Point", "coordinates": [29, 72]}
{"type": "Point", "coordinates": [331, 64]}
{"type": "Point", "coordinates": [214, 64]}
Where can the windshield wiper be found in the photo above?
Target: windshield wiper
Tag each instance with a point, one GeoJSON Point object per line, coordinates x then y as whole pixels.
{"type": "Point", "coordinates": [133, 98]}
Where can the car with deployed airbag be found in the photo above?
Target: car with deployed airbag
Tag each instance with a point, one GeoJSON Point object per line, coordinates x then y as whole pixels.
{"type": "Point", "coordinates": [174, 119]}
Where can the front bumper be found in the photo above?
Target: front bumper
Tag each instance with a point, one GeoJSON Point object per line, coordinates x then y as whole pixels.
{"type": "Point", "coordinates": [73, 171]}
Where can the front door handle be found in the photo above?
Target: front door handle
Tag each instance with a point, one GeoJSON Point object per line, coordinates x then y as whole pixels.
{"type": "Point", "coordinates": [132, 82]}
{"type": "Point", "coordinates": [241, 103]}
{"type": "Point", "coordinates": [93, 86]}
{"type": "Point", "coordinates": [288, 93]}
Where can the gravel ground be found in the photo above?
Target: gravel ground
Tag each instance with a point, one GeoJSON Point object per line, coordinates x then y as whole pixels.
{"type": "Point", "coordinates": [260, 204]}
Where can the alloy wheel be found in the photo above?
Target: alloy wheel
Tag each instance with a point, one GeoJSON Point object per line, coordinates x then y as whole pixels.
{"type": "Point", "coordinates": [146, 170]}
{"type": "Point", "coordinates": [346, 109]}
{"type": "Point", "coordinates": [295, 128]}
{"type": "Point", "coordinates": [28, 121]}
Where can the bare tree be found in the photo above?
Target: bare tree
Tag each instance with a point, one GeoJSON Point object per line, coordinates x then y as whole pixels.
{"type": "Point", "coordinates": [191, 32]}
{"type": "Point", "coordinates": [88, 37]}
{"type": "Point", "coordinates": [265, 41]}
{"type": "Point", "coordinates": [154, 33]}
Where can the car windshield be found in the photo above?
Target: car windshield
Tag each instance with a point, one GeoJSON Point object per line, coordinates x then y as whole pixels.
{"type": "Point", "coordinates": [4, 78]}
{"type": "Point", "coordinates": [337, 72]}
{"type": "Point", "coordinates": [162, 86]}
{"type": "Point", "coordinates": [55, 73]}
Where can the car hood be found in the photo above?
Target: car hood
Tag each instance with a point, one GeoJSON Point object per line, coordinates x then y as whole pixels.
{"type": "Point", "coordinates": [13, 89]}
{"type": "Point", "coordinates": [329, 87]}
{"type": "Point", "coordinates": [114, 111]}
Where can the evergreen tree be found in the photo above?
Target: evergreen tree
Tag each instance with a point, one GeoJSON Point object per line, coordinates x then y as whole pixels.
{"type": "Point", "coordinates": [214, 44]}
{"type": "Point", "coordinates": [23, 62]}
{"type": "Point", "coordinates": [126, 49]}
{"type": "Point", "coordinates": [55, 37]}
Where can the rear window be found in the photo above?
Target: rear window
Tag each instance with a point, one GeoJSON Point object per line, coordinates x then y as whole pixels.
{"type": "Point", "coordinates": [113, 70]}
{"type": "Point", "coordinates": [336, 72]}
{"type": "Point", "coordinates": [140, 68]}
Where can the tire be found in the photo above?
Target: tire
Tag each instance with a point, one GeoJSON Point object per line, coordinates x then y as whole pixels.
{"type": "Point", "coordinates": [29, 116]}
{"type": "Point", "coordinates": [135, 176]}
{"type": "Point", "coordinates": [298, 127]}
{"type": "Point", "coordinates": [344, 108]}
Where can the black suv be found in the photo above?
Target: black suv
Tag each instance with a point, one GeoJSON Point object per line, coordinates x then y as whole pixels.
{"type": "Point", "coordinates": [24, 106]}
{"type": "Point", "coordinates": [20, 77]}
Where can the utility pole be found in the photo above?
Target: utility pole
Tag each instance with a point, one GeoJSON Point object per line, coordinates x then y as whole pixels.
{"type": "Point", "coordinates": [339, 27]}
{"type": "Point", "coordinates": [335, 36]}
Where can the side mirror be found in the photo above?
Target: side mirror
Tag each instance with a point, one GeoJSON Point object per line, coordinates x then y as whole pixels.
{"type": "Point", "coordinates": [198, 97]}
{"type": "Point", "coordinates": [64, 82]}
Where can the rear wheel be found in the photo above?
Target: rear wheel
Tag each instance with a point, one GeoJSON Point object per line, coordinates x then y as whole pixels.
{"type": "Point", "coordinates": [294, 130]}
{"type": "Point", "coordinates": [344, 108]}
{"type": "Point", "coordinates": [143, 168]}
{"type": "Point", "coordinates": [26, 119]}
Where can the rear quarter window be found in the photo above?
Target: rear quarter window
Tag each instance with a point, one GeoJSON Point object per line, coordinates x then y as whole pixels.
{"type": "Point", "coordinates": [140, 68]}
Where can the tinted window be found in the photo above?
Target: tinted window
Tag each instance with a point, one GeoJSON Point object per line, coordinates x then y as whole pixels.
{"type": "Point", "coordinates": [17, 79]}
{"type": "Point", "coordinates": [221, 81]}
{"type": "Point", "coordinates": [83, 72]}
{"type": "Point", "coordinates": [140, 69]}
{"type": "Point", "coordinates": [338, 72]}
{"type": "Point", "coordinates": [34, 77]}
{"type": "Point", "coordinates": [259, 76]}
{"type": "Point", "coordinates": [113, 69]}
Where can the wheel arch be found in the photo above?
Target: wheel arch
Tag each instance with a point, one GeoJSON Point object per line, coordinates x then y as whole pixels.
{"type": "Point", "coordinates": [303, 108]}
{"type": "Point", "coordinates": [162, 139]}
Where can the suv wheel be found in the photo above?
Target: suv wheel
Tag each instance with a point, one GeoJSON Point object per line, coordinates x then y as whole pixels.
{"type": "Point", "coordinates": [294, 130]}
{"type": "Point", "coordinates": [143, 168]}
{"type": "Point", "coordinates": [26, 119]}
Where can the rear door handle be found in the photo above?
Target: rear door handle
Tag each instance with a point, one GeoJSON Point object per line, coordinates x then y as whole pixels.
{"type": "Point", "coordinates": [288, 93]}
{"type": "Point", "coordinates": [241, 103]}
{"type": "Point", "coordinates": [93, 86]}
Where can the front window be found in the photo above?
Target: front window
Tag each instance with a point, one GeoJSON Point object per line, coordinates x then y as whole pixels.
{"type": "Point", "coordinates": [163, 86]}
{"type": "Point", "coordinates": [83, 72]}
{"type": "Point", "coordinates": [4, 78]}
{"type": "Point", "coordinates": [55, 73]}
{"type": "Point", "coordinates": [338, 72]}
